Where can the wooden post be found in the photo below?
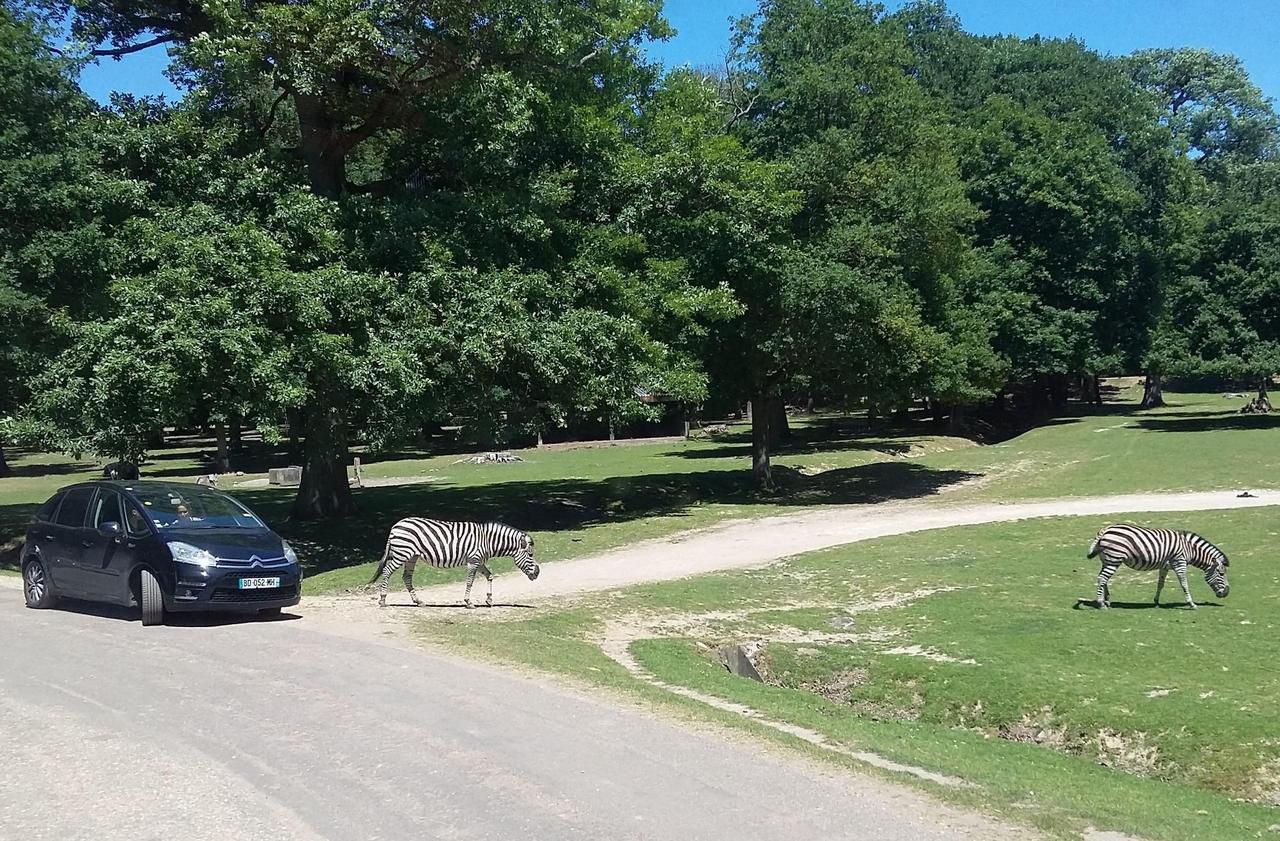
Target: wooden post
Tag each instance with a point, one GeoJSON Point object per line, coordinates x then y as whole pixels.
{"type": "Point", "coordinates": [358, 472]}
{"type": "Point", "coordinates": [539, 439]}
{"type": "Point", "coordinates": [686, 428]}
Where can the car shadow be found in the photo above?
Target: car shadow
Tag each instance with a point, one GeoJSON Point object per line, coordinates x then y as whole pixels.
{"type": "Point", "coordinates": [179, 620]}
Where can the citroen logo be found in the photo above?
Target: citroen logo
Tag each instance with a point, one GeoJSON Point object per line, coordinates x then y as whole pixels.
{"type": "Point", "coordinates": [254, 560]}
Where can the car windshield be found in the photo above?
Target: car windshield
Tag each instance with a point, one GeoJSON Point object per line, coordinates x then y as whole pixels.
{"type": "Point", "coordinates": [179, 508]}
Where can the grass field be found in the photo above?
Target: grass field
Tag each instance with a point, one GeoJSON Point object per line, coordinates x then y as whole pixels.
{"type": "Point", "coordinates": [581, 501]}
{"type": "Point", "coordinates": [1156, 722]}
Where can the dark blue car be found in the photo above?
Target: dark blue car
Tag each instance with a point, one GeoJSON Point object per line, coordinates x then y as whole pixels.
{"type": "Point", "coordinates": [162, 546]}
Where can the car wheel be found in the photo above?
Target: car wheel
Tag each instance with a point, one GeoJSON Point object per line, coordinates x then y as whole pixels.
{"type": "Point", "coordinates": [270, 612]}
{"type": "Point", "coordinates": [152, 601]}
{"type": "Point", "coordinates": [36, 585]}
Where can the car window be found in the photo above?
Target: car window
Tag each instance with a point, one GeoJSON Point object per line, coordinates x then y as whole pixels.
{"type": "Point", "coordinates": [194, 508]}
{"type": "Point", "coordinates": [45, 514]}
{"type": "Point", "coordinates": [74, 506]}
{"type": "Point", "coordinates": [135, 522]}
{"type": "Point", "coordinates": [106, 508]}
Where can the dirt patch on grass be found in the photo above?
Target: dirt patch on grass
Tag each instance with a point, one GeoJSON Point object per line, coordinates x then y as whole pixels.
{"type": "Point", "coordinates": [836, 688]}
{"type": "Point", "coordinates": [1265, 783]}
{"type": "Point", "coordinates": [1134, 753]}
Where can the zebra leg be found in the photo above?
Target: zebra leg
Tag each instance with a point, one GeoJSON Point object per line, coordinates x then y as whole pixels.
{"type": "Point", "coordinates": [1160, 583]}
{"type": "Point", "coordinates": [1104, 591]}
{"type": "Point", "coordinates": [488, 577]}
{"type": "Point", "coordinates": [472, 568]}
{"type": "Point", "coordinates": [1181, 569]}
{"type": "Point", "coordinates": [392, 565]}
{"type": "Point", "coordinates": [409, 567]}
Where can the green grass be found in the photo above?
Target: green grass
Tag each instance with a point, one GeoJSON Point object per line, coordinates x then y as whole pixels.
{"type": "Point", "coordinates": [583, 501]}
{"type": "Point", "coordinates": [1198, 442]}
{"type": "Point", "coordinates": [1063, 718]}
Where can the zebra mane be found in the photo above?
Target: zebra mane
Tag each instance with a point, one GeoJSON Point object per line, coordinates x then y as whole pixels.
{"type": "Point", "coordinates": [1218, 554]}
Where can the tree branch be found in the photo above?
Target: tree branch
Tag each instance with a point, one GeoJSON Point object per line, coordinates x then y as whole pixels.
{"type": "Point", "coordinates": [271, 115]}
{"type": "Point", "coordinates": [117, 52]}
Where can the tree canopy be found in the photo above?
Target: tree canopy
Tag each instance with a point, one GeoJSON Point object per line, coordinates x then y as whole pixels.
{"type": "Point", "coordinates": [361, 218]}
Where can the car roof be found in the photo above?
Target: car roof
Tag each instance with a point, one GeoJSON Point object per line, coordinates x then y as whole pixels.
{"type": "Point", "coordinates": [129, 485]}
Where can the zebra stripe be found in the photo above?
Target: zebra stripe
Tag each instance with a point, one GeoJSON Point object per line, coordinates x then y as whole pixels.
{"type": "Point", "coordinates": [1163, 549]}
{"type": "Point", "coordinates": [447, 544]}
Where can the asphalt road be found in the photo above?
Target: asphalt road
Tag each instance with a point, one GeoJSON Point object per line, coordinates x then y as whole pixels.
{"type": "Point", "coordinates": [282, 730]}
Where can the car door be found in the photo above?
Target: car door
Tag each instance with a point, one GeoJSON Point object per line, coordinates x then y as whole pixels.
{"type": "Point", "coordinates": [107, 549]}
{"type": "Point", "coordinates": [60, 541]}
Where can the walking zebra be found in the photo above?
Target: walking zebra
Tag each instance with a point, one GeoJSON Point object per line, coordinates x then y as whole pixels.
{"type": "Point", "coordinates": [1164, 549]}
{"type": "Point", "coordinates": [446, 544]}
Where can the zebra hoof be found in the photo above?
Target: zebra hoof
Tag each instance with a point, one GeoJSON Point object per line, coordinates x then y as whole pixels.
{"type": "Point", "coordinates": [468, 605]}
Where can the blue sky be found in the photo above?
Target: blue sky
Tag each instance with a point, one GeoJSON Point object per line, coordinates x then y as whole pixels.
{"type": "Point", "coordinates": [1248, 28]}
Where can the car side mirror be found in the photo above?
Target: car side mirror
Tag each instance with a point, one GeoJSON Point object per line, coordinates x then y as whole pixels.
{"type": "Point", "coordinates": [110, 527]}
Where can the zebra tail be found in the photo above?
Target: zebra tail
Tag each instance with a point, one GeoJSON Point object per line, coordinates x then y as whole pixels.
{"type": "Point", "coordinates": [1094, 548]}
{"type": "Point", "coordinates": [382, 564]}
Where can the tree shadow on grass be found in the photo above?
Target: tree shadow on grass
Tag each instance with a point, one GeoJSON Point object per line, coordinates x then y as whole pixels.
{"type": "Point", "coordinates": [1207, 423]}
{"type": "Point", "coordinates": [28, 470]}
{"type": "Point", "coordinates": [565, 505]}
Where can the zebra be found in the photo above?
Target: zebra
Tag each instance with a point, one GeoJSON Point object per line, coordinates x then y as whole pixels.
{"type": "Point", "coordinates": [447, 544]}
{"type": "Point", "coordinates": [1164, 549]}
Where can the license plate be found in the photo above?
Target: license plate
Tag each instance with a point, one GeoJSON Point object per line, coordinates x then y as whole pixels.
{"type": "Point", "coordinates": [259, 583]}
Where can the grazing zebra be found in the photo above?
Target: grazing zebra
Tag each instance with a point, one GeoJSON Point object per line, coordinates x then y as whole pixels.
{"type": "Point", "coordinates": [1163, 549]}
{"type": "Point", "coordinates": [445, 544]}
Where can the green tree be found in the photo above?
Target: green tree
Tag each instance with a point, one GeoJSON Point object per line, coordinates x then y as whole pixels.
{"type": "Point", "coordinates": [57, 209]}
{"type": "Point", "coordinates": [867, 293]}
{"type": "Point", "coordinates": [1215, 112]}
{"type": "Point", "coordinates": [346, 90]}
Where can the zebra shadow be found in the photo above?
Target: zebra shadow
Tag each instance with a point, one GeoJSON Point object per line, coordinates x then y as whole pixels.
{"type": "Point", "coordinates": [461, 606]}
{"type": "Point", "coordinates": [1092, 604]}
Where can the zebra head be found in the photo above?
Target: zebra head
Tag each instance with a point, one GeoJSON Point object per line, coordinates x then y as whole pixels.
{"type": "Point", "coordinates": [1215, 568]}
{"type": "Point", "coordinates": [523, 556]}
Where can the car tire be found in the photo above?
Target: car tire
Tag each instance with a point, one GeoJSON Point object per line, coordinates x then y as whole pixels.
{"type": "Point", "coordinates": [152, 600]}
{"type": "Point", "coordinates": [37, 587]}
{"type": "Point", "coordinates": [270, 612]}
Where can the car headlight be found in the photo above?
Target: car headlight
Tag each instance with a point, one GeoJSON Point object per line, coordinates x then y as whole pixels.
{"type": "Point", "coordinates": [289, 555]}
{"type": "Point", "coordinates": [185, 553]}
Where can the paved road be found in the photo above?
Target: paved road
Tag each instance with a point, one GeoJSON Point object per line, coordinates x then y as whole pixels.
{"type": "Point", "coordinates": [278, 730]}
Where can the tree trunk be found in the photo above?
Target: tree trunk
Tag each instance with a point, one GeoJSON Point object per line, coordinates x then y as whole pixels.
{"type": "Point", "coordinates": [1264, 401]}
{"type": "Point", "coordinates": [324, 492]}
{"type": "Point", "coordinates": [938, 409]}
{"type": "Point", "coordinates": [1058, 391]}
{"type": "Point", "coordinates": [1095, 389]}
{"type": "Point", "coordinates": [902, 415]}
{"type": "Point", "coordinates": [294, 418]}
{"type": "Point", "coordinates": [808, 406]}
{"type": "Point", "coordinates": [237, 424]}
{"type": "Point", "coordinates": [4, 464]}
{"type": "Point", "coordinates": [761, 469]}
{"type": "Point", "coordinates": [221, 462]}
{"type": "Point", "coordinates": [779, 428]}
{"type": "Point", "coordinates": [323, 150]}
{"type": "Point", "coordinates": [955, 423]}
{"type": "Point", "coordinates": [1152, 391]}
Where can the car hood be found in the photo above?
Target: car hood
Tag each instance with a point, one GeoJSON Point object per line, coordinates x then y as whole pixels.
{"type": "Point", "coordinates": [241, 544]}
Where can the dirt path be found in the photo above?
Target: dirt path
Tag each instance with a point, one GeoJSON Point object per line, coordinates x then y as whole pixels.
{"type": "Point", "coordinates": [744, 544]}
